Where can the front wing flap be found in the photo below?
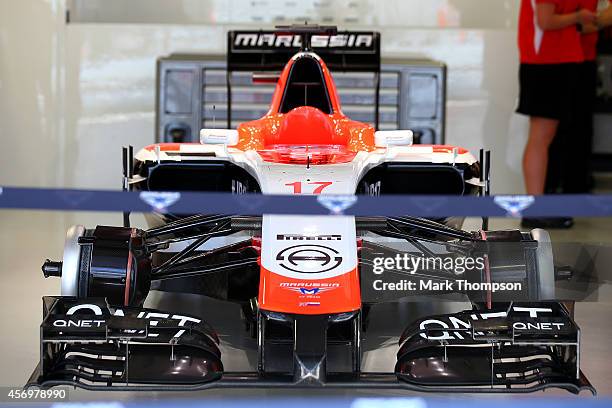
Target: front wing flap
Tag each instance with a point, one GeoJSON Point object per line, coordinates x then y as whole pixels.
{"type": "Point", "coordinates": [527, 345]}
{"type": "Point", "coordinates": [90, 342]}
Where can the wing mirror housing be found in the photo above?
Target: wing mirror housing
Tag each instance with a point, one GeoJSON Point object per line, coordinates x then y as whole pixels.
{"type": "Point", "coordinates": [228, 137]}
{"type": "Point", "coordinates": [386, 138]}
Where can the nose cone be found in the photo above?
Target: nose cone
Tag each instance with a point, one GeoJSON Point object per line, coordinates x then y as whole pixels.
{"type": "Point", "coordinates": [307, 126]}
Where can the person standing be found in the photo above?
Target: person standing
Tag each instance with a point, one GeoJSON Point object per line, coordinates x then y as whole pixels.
{"type": "Point", "coordinates": [579, 181]}
{"type": "Point", "coordinates": [574, 141]}
{"type": "Point", "coordinates": [550, 55]}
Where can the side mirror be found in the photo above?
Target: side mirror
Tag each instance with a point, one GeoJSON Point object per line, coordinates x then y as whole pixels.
{"type": "Point", "coordinates": [227, 137]}
{"type": "Point", "coordinates": [386, 138]}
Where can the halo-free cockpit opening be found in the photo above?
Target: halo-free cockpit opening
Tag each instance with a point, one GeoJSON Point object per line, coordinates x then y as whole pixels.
{"type": "Point", "coordinates": [306, 86]}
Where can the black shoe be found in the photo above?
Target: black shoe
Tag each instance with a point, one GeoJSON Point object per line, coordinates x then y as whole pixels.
{"type": "Point", "coordinates": [548, 223]}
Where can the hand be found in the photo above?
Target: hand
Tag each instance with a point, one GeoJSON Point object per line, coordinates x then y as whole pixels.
{"type": "Point", "coordinates": [586, 17]}
{"type": "Point", "coordinates": [604, 19]}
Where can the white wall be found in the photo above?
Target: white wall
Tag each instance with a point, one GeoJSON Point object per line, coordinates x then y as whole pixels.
{"type": "Point", "coordinates": [72, 94]}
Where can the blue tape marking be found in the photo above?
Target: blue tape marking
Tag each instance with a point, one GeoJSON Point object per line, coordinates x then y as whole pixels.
{"type": "Point", "coordinates": [257, 204]}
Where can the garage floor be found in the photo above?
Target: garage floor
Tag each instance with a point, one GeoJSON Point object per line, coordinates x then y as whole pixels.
{"type": "Point", "coordinates": [27, 238]}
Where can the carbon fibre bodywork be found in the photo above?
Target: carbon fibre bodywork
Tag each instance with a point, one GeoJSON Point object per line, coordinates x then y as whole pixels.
{"type": "Point", "coordinates": [144, 349]}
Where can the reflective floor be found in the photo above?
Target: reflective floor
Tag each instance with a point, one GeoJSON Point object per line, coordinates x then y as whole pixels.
{"type": "Point", "coordinates": [27, 238]}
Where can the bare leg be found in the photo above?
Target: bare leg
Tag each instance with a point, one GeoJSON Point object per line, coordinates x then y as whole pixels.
{"type": "Point", "coordinates": [542, 132]}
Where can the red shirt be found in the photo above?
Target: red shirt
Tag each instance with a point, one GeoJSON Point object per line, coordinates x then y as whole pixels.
{"type": "Point", "coordinates": [537, 46]}
{"type": "Point", "coordinates": [589, 41]}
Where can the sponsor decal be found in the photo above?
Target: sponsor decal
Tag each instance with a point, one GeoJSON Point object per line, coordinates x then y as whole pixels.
{"type": "Point", "coordinates": [310, 291]}
{"type": "Point", "coordinates": [309, 285]}
{"type": "Point", "coordinates": [455, 322]}
{"type": "Point", "coordinates": [514, 205]}
{"type": "Point", "coordinates": [309, 258]}
{"type": "Point", "coordinates": [272, 40]}
{"type": "Point", "coordinates": [299, 237]}
{"type": "Point", "coordinates": [238, 187]}
{"type": "Point", "coordinates": [373, 190]}
{"type": "Point", "coordinates": [150, 316]}
{"type": "Point", "coordinates": [306, 304]}
{"type": "Point", "coordinates": [160, 201]}
{"type": "Point", "coordinates": [86, 323]}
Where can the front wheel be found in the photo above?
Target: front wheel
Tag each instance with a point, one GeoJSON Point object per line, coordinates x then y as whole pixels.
{"type": "Point", "coordinates": [544, 265]}
{"type": "Point", "coordinates": [108, 262]}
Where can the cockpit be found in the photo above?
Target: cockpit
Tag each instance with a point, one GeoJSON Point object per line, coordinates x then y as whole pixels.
{"type": "Point", "coordinates": [306, 86]}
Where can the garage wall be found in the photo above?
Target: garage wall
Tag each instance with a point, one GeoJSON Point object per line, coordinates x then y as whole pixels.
{"type": "Point", "coordinates": [72, 94]}
{"type": "Point", "coordinates": [382, 13]}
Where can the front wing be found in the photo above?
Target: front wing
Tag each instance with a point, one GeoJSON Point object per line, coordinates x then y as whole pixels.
{"type": "Point", "coordinates": [92, 345]}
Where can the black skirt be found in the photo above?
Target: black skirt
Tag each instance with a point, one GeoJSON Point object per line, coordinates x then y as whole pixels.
{"type": "Point", "coordinates": [549, 90]}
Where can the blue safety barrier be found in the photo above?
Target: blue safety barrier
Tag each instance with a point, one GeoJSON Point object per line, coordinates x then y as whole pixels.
{"type": "Point", "coordinates": [430, 206]}
{"type": "Point", "coordinates": [310, 400]}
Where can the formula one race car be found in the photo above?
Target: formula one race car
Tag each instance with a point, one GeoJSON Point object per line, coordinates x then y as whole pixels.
{"type": "Point", "coordinates": [307, 285]}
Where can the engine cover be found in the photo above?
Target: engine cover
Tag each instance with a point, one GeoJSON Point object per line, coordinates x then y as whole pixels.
{"type": "Point", "coordinates": [309, 265]}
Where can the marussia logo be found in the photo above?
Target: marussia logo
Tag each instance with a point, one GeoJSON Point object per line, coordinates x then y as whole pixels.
{"type": "Point", "coordinates": [309, 288]}
{"type": "Point", "coordinates": [355, 40]}
{"type": "Point", "coordinates": [311, 291]}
